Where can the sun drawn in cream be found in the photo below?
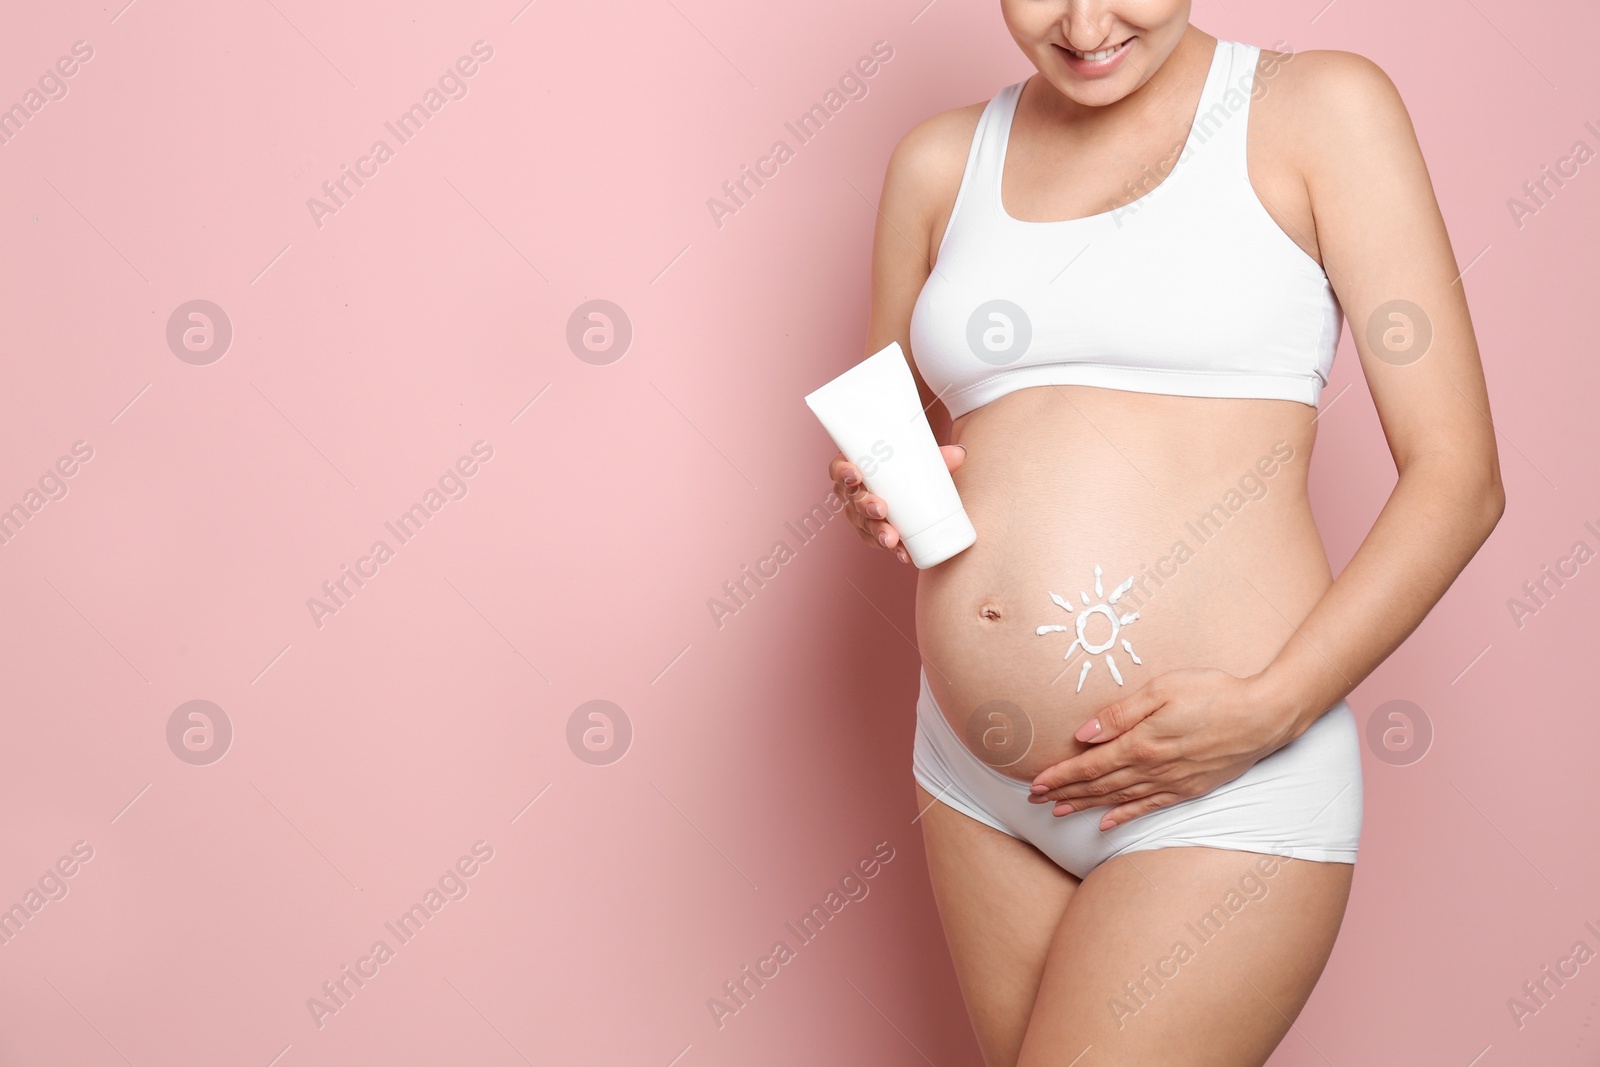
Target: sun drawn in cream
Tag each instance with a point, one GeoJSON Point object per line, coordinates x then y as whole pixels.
{"type": "Point", "coordinates": [1106, 608]}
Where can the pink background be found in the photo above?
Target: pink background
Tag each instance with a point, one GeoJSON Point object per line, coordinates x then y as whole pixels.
{"type": "Point", "coordinates": [768, 755]}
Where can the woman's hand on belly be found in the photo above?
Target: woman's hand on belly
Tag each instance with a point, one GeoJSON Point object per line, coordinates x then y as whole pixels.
{"type": "Point", "coordinates": [1179, 736]}
{"type": "Point", "coordinates": [1165, 534]}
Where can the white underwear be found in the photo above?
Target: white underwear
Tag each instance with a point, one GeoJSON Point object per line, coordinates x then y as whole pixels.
{"type": "Point", "coordinates": [1303, 801]}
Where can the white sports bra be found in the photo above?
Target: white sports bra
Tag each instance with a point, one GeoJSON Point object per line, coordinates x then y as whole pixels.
{"type": "Point", "coordinates": [1192, 289]}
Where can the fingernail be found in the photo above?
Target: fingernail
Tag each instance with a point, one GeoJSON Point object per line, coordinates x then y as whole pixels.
{"type": "Point", "coordinates": [1037, 788]}
{"type": "Point", "coordinates": [850, 476]}
{"type": "Point", "coordinates": [1106, 824]}
{"type": "Point", "coordinates": [875, 509]}
{"type": "Point", "coordinates": [963, 451]}
{"type": "Point", "coordinates": [1089, 730]}
{"type": "Point", "coordinates": [883, 538]}
{"type": "Point", "coordinates": [1065, 809]}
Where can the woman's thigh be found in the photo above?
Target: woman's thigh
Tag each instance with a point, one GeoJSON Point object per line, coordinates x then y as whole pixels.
{"type": "Point", "coordinates": [1000, 902]}
{"type": "Point", "coordinates": [1185, 955]}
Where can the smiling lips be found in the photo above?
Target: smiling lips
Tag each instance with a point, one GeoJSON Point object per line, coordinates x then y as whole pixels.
{"type": "Point", "coordinates": [1099, 61]}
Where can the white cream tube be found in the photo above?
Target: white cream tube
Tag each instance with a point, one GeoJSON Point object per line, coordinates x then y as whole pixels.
{"type": "Point", "coordinates": [874, 414]}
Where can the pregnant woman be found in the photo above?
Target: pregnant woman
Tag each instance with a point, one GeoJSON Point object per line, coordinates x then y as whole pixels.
{"type": "Point", "coordinates": [1125, 278]}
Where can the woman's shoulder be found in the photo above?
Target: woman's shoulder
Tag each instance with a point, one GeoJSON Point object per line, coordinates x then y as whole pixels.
{"type": "Point", "coordinates": [1327, 106]}
{"type": "Point", "coordinates": [940, 142]}
{"type": "Point", "coordinates": [1324, 87]}
{"type": "Point", "coordinates": [926, 166]}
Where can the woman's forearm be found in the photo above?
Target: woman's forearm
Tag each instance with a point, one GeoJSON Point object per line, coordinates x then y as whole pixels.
{"type": "Point", "coordinates": [1435, 520]}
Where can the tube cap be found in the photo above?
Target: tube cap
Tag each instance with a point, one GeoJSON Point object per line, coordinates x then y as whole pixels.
{"type": "Point", "coordinates": [937, 543]}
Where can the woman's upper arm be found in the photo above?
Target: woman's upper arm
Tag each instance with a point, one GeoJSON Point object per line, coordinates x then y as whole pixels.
{"type": "Point", "coordinates": [919, 187]}
{"type": "Point", "coordinates": [1387, 253]}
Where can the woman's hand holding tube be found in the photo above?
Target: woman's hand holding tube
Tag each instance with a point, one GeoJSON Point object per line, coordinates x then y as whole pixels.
{"type": "Point", "coordinates": [869, 513]}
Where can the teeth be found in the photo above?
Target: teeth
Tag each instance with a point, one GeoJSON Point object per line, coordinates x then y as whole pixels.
{"type": "Point", "coordinates": [1094, 57]}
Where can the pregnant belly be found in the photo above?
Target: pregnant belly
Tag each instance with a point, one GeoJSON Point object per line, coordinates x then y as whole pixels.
{"type": "Point", "coordinates": [1120, 535]}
